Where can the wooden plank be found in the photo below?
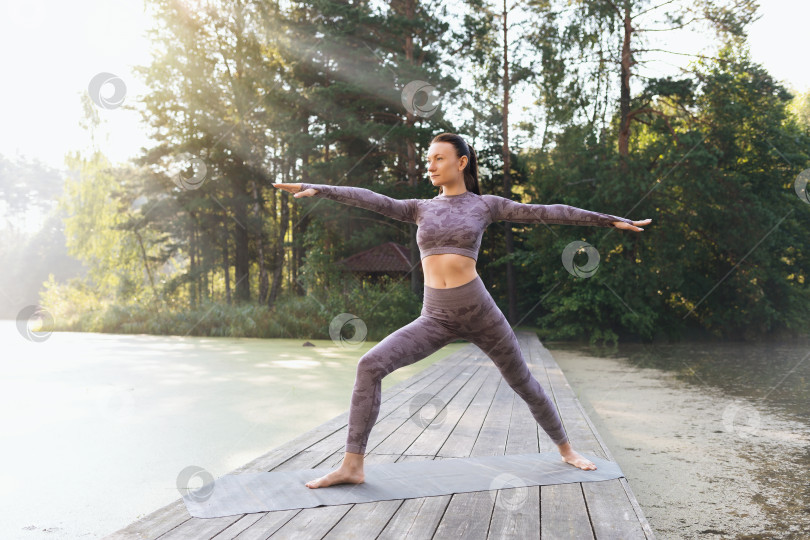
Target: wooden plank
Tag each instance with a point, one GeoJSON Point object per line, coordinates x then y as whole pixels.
{"type": "Point", "coordinates": [156, 523]}
{"type": "Point", "coordinates": [320, 521]}
{"type": "Point", "coordinates": [516, 514]}
{"type": "Point", "coordinates": [416, 518]}
{"type": "Point", "coordinates": [563, 511]}
{"type": "Point", "coordinates": [428, 428]}
{"type": "Point", "coordinates": [416, 419]}
{"type": "Point", "coordinates": [522, 436]}
{"type": "Point", "coordinates": [243, 527]}
{"type": "Point", "coordinates": [468, 514]}
{"type": "Point", "coordinates": [610, 503]}
{"type": "Point", "coordinates": [612, 515]}
{"type": "Point", "coordinates": [260, 526]}
{"type": "Point", "coordinates": [419, 517]}
{"type": "Point", "coordinates": [578, 430]}
{"type": "Point", "coordinates": [464, 434]}
{"type": "Point", "coordinates": [202, 528]}
{"type": "Point", "coordinates": [365, 520]}
{"type": "Point", "coordinates": [594, 493]}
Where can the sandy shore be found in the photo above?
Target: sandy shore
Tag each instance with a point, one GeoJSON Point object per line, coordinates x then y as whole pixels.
{"type": "Point", "coordinates": [702, 464]}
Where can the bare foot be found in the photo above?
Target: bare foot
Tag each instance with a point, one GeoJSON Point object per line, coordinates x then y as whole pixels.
{"type": "Point", "coordinates": [338, 476]}
{"type": "Point", "coordinates": [574, 458]}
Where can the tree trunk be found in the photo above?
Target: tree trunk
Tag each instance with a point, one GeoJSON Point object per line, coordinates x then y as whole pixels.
{"type": "Point", "coordinates": [226, 264]}
{"type": "Point", "coordinates": [411, 169]}
{"type": "Point", "coordinates": [241, 238]}
{"type": "Point", "coordinates": [243, 149]}
{"type": "Point", "coordinates": [192, 249]}
{"type": "Point", "coordinates": [303, 223]}
{"type": "Point", "coordinates": [507, 179]}
{"type": "Point", "coordinates": [145, 260]}
{"type": "Point", "coordinates": [624, 97]}
{"type": "Point", "coordinates": [203, 267]}
{"type": "Point", "coordinates": [258, 206]}
{"type": "Point", "coordinates": [278, 259]}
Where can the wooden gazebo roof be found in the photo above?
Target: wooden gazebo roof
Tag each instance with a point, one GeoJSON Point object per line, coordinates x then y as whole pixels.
{"type": "Point", "coordinates": [387, 257]}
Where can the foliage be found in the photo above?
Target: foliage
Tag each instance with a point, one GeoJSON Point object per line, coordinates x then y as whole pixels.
{"type": "Point", "coordinates": [257, 92]}
{"type": "Point", "coordinates": [724, 252]}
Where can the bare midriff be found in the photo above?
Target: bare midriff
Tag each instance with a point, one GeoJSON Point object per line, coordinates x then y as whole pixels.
{"type": "Point", "coordinates": [447, 270]}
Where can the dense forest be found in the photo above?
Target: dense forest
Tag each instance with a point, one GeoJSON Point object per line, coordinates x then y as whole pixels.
{"type": "Point", "coordinates": [190, 238]}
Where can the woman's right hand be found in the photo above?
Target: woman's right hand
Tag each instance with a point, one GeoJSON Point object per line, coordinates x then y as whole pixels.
{"type": "Point", "coordinates": [295, 189]}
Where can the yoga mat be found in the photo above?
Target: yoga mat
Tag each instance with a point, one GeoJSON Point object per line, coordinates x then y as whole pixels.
{"type": "Point", "coordinates": [245, 493]}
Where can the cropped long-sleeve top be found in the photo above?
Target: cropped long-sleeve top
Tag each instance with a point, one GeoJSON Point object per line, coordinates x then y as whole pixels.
{"type": "Point", "coordinates": [456, 223]}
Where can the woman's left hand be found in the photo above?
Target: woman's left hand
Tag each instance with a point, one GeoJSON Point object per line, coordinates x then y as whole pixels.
{"type": "Point", "coordinates": [634, 226]}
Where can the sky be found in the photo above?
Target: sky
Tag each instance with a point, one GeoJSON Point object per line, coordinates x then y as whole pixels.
{"type": "Point", "coordinates": [52, 49]}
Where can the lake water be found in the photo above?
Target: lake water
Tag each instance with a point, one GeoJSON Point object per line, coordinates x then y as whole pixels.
{"type": "Point", "coordinates": [95, 428]}
{"type": "Point", "coordinates": [714, 439]}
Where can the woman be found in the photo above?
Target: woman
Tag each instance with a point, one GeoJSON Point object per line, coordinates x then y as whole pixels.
{"type": "Point", "coordinates": [456, 302]}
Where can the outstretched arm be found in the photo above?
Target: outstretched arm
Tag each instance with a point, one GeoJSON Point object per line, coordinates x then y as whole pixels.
{"type": "Point", "coordinates": [508, 210]}
{"type": "Point", "coordinates": [399, 209]}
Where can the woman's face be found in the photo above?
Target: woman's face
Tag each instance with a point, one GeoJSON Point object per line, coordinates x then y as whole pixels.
{"type": "Point", "coordinates": [443, 166]}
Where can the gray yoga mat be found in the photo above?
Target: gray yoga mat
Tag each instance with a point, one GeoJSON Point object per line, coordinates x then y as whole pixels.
{"type": "Point", "coordinates": [245, 493]}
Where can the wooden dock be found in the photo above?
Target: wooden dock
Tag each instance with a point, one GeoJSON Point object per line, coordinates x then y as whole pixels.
{"type": "Point", "coordinates": [483, 416]}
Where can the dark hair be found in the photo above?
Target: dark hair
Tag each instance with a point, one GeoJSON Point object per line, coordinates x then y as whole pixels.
{"type": "Point", "coordinates": [462, 149]}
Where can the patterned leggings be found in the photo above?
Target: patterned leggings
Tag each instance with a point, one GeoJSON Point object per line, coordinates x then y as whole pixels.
{"type": "Point", "coordinates": [467, 312]}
